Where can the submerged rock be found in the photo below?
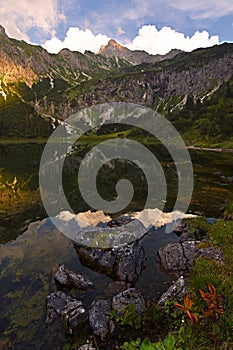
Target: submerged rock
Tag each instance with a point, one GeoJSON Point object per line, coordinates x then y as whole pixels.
{"type": "Point", "coordinates": [70, 279]}
{"type": "Point", "coordinates": [73, 314]}
{"type": "Point", "coordinates": [129, 296]}
{"type": "Point", "coordinates": [124, 263]}
{"type": "Point", "coordinates": [175, 292]}
{"type": "Point", "coordinates": [99, 318]}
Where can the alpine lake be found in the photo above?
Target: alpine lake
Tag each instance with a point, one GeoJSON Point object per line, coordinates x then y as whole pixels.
{"type": "Point", "coordinates": [30, 255]}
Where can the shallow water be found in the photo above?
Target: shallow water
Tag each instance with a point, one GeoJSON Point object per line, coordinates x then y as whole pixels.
{"type": "Point", "coordinates": [29, 259]}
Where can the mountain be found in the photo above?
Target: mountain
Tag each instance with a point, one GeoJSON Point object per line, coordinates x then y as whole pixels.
{"type": "Point", "coordinates": [38, 90]}
{"type": "Point", "coordinates": [113, 49]}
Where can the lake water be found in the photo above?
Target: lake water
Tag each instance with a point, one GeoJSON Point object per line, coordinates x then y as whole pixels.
{"type": "Point", "coordinates": [29, 256]}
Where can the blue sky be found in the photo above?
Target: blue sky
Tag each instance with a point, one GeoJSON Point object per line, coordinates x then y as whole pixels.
{"type": "Point", "coordinates": [153, 25]}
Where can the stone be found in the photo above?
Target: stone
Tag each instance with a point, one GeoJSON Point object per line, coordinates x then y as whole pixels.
{"type": "Point", "coordinates": [116, 287]}
{"type": "Point", "coordinates": [187, 236]}
{"type": "Point", "coordinates": [86, 347]}
{"type": "Point", "coordinates": [124, 263]}
{"type": "Point", "coordinates": [130, 261]}
{"type": "Point", "coordinates": [73, 314]}
{"type": "Point", "coordinates": [129, 296]}
{"type": "Point", "coordinates": [180, 228]}
{"type": "Point", "coordinates": [99, 318]}
{"type": "Point", "coordinates": [55, 303]}
{"type": "Point", "coordinates": [175, 292]}
{"type": "Point", "coordinates": [177, 256]}
{"type": "Point", "coordinates": [70, 279]}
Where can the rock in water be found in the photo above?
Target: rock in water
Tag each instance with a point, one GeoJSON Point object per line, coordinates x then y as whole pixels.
{"type": "Point", "coordinates": [71, 279]}
{"type": "Point", "coordinates": [73, 314]}
{"type": "Point", "coordinates": [55, 303]}
{"type": "Point", "coordinates": [130, 261]}
{"type": "Point", "coordinates": [99, 318]}
{"type": "Point", "coordinates": [175, 292]}
{"type": "Point", "coordinates": [129, 296]}
{"type": "Point", "coordinates": [124, 263]}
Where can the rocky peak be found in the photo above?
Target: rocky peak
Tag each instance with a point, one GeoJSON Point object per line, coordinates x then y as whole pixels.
{"type": "Point", "coordinates": [114, 49]}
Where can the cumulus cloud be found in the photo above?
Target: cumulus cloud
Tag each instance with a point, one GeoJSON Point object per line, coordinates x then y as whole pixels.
{"type": "Point", "coordinates": [19, 17]}
{"type": "Point", "coordinates": [156, 41]}
{"type": "Point", "coordinates": [77, 40]}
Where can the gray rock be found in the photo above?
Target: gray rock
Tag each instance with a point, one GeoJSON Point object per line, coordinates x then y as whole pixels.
{"type": "Point", "coordinates": [180, 228]}
{"type": "Point", "coordinates": [86, 347]}
{"type": "Point", "coordinates": [130, 261]}
{"type": "Point", "coordinates": [70, 279]}
{"type": "Point", "coordinates": [73, 314]}
{"type": "Point", "coordinates": [180, 257]}
{"type": "Point", "coordinates": [99, 318]}
{"type": "Point", "coordinates": [211, 253]}
{"type": "Point", "coordinates": [175, 292]}
{"type": "Point", "coordinates": [129, 296]}
{"type": "Point", "coordinates": [177, 256]}
{"type": "Point", "coordinates": [187, 236]}
{"type": "Point", "coordinates": [55, 303]}
{"type": "Point", "coordinates": [125, 262]}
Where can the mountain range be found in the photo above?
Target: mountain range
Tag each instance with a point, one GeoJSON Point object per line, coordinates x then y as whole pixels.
{"type": "Point", "coordinates": [38, 89]}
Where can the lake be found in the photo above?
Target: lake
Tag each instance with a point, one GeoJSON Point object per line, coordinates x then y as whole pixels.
{"type": "Point", "coordinates": [30, 252]}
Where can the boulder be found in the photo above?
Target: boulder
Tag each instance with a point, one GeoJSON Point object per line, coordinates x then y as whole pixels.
{"type": "Point", "coordinates": [175, 292]}
{"type": "Point", "coordinates": [124, 263]}
{"type": "Point", "coordinates": [70, 279]}
{"type": "Point", "coordinates": [129, 296]}
{"type": "Point", "coordinates": [177, 256]}
{"type": "Point", "coordinates": [55, 303]}
{"type": "Point", "coordinates": [99, 318]}
{"type": "Point", "coordinates": [73, 314]}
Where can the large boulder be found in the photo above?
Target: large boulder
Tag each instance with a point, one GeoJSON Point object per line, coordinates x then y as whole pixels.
{"type": "Point", "coordinates": [99, 318]}
{"type": "Point", "coordinates": [124, 263]}
{"type": "Point", "coordinates": [179, 257]}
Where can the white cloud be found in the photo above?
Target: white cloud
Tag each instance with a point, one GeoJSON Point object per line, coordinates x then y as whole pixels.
{"type": "Point", "coordinates": [77, 40]}
{"type": "Point", "coordinates": [156, 41]}
{"type": "Point", "coordinates": [20, 16]}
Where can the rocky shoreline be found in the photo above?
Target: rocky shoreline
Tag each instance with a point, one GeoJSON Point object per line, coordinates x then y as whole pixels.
{"type": "Point", "coordinates": [124, 263]}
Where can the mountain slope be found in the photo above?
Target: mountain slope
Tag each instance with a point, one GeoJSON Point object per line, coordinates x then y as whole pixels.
{"type": "Point", "coordinates": [38, 90]}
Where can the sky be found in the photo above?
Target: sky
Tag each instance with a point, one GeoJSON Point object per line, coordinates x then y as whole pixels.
{"type": "Point", "coordinates": [156, 26]}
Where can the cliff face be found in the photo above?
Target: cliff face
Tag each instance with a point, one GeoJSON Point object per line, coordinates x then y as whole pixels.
{"type": "Point", "coordinates": [199, 73]}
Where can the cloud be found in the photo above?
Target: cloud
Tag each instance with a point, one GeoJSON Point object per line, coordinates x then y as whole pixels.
{"type": "Point", "coordinates": [203, 9]}
{"type": "Point", "coordinates": [77, 40]}
{"type": "Point", "coordinates": [20, 17]}
{"type": "Point", "coordinates": [156, 41]}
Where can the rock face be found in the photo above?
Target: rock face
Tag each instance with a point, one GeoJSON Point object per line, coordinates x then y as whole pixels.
{"type": "Point", "coordinates": [113, 49]}
{"type": "Point", "coordinates": [175, 292]}
{"type": "Point", "coordinates": [129, 296]}
{"type": "Point", "coordinates": [70, 279]}
{"type": "Point", "coordinates": [179, 257]}
{"type": "Point", "coordinates": [124, 263]}
{"type": "Point", "coordinates": [99, 318]}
